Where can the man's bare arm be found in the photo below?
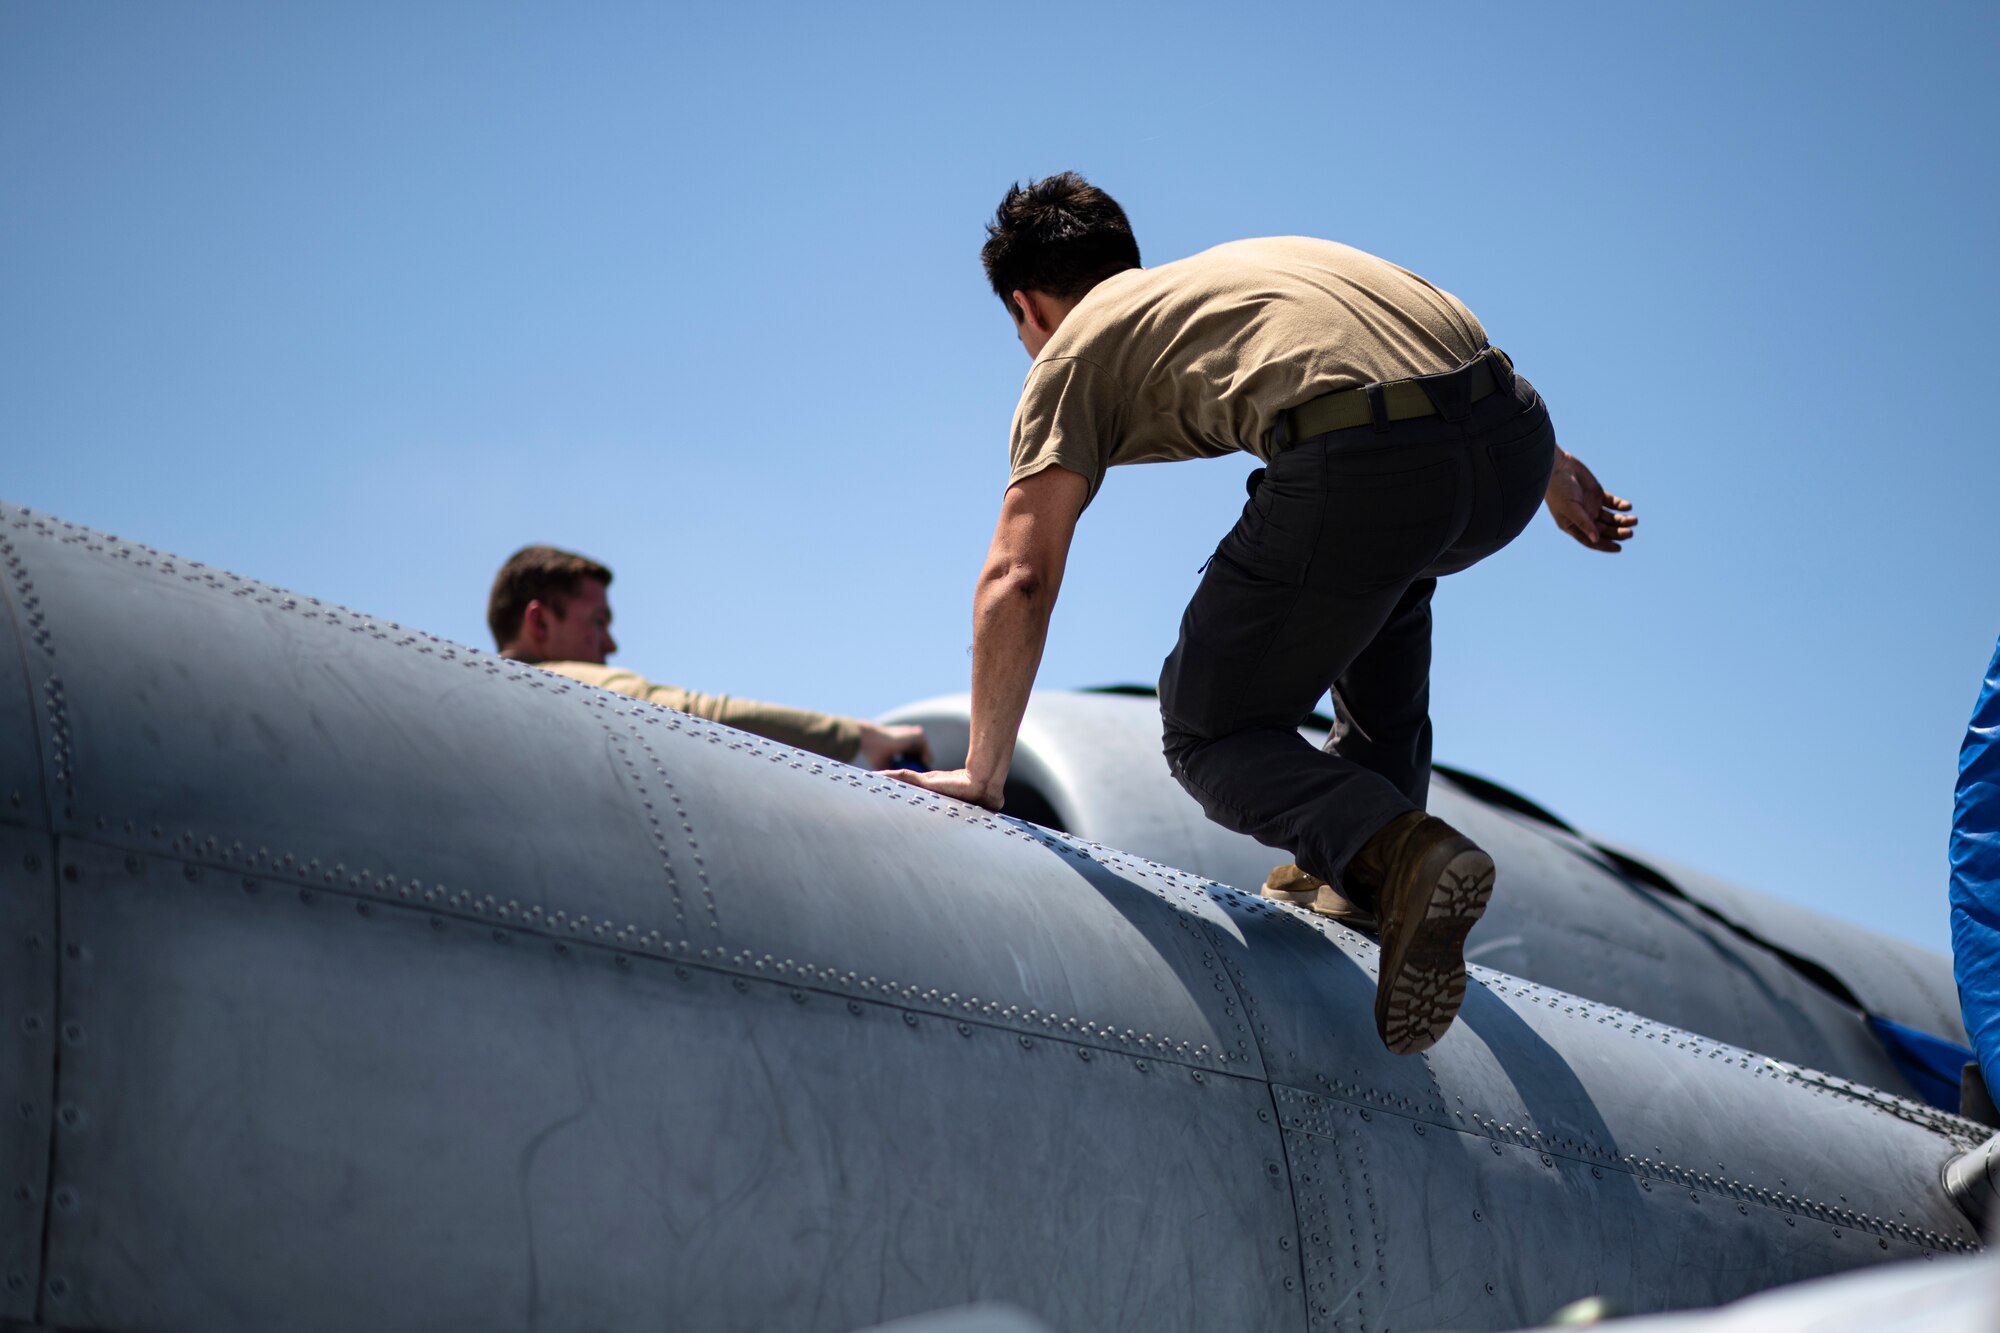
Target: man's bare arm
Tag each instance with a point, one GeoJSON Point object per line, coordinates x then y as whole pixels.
{"type": "Point", "coordinates": [1010, 624]}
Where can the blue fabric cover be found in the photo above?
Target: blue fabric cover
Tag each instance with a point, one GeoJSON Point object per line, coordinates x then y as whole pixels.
{"type": "Point", "coordinates": [1975, 877]}
{"type": "Point", "coordinates": [1932, 1064]}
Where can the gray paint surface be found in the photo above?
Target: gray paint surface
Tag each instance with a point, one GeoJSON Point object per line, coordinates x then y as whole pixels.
{"type": "Point", "coordinates": [1564, 913]}
{"type": "Point", "coordinates": [394, 986]}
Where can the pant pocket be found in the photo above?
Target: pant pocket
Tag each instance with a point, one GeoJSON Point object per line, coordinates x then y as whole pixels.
{"type": "Point", "coordinates": [1276, 534]}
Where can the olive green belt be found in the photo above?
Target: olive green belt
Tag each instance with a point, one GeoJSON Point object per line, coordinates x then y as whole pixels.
{"type": "Point", "coordinates": [1401, 401]}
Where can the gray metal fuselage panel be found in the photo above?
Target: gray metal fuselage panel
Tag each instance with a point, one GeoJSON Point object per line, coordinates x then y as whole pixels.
{"type": "Point", "coordinates": [390, 985]}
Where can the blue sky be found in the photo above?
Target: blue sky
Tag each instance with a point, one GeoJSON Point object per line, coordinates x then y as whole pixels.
{"type": "Point", "coordinates": [357, 298]}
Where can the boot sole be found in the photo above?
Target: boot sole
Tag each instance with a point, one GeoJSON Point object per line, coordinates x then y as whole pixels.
{"type": "Point", "coordinates": [1422, 980]}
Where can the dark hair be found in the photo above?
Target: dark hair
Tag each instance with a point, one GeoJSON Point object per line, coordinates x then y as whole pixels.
{"type": "Point", "coordinates": [536, 574]}
{"type": "Point", "coordinates": [1060, 235]}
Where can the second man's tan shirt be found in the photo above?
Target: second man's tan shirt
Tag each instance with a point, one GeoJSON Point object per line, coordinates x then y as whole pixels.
{"type": "Point", "coordinates": [821, 733]}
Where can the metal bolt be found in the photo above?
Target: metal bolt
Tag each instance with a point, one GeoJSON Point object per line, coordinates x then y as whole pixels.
{"type": "Point", "coordinates": [73, 1033]}
{"type": "Point", "coordinates": [1027, 1043]}
{"type": "Point", "coordinates": [910, 1018]}
{"type": "Point", "coordinates": [1284, 1242]}
{"type": "Point", "coordinates": [1083, 1053]}
{"type": "Point", "coordinates": [1476, 1216]}
{"type": "Point", "coordinates": [31, 1025]}
{"type": "Point", "coordinates": [965, 1029]}
{"type": "Point", "coordinates": [1489, 1289]}
{"type": "Point", "coordinates": [854, 1007]}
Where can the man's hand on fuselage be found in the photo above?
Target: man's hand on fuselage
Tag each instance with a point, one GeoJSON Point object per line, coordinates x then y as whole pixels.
{"type": "Point", "coordinates": [1584, 509]}
{"type": "Point", "coordinates": [882, 745]}
{"type": "Point", "coordinates": [1010, 623]}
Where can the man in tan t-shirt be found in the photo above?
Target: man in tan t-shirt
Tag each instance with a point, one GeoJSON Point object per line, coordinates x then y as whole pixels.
{"type": "Point", "coordinates": [552, 608]}
{"type": "Point", "coordinates": [1398, 447]}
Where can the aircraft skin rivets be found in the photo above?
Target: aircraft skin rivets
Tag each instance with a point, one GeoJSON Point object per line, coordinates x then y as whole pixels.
{"type": "Point", "coordinates": [71, 873]}
{"type": "Point", "coordinates": [32, 1025]}
{"type": "Point", "coordinates": [73, 1033]}
{"type": "Point", "coordinates": [965, 1029]}
{"type": "Point", "coordinates": [910, 1019]}
{"type": "Point", "coordinates": [1476, 1216]}
{"type": "Point", "coordinates": [70, 1116]}
{"type": "Point", "coordinates": [1083, 1053]}
{"type": "Point", "coordinates": [1489, 1289]}
{"type": "Point", "coordinates": [1027, 1043]}
{"type": "Point", "coordinates": [740, 984]}
{"type": "Point", "coordinates": [58, 1288]}
{"type": "Point", "coordinates": [854, 1007]}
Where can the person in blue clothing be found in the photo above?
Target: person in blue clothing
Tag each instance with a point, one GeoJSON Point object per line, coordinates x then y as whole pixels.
{"type": "Point", "coordinates": [1975, 876]}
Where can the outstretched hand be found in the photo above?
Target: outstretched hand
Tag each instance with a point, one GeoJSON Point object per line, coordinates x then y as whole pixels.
{"type": "Point", "coordinates": [890, 744]}
{"type": "Point", "coordinates": [953, 782]}
{"type": "Point", "coordinates": [1584, 509]}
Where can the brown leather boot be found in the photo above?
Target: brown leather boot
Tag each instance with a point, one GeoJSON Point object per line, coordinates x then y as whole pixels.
{"type": "Point", "coordinates": [1289, 884]}
{"type": "Point", "coordinates": [1430, 884]}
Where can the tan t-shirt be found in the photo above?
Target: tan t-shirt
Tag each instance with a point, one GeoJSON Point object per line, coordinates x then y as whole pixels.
{"type": "Point", "coordinates": [1196, 358]}
{"type": "Point", "coordinates": [823, 734]}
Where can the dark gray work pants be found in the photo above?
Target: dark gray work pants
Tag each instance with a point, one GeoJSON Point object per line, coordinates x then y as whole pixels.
{"type": "Point", "coordinates": [1326, 581]}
